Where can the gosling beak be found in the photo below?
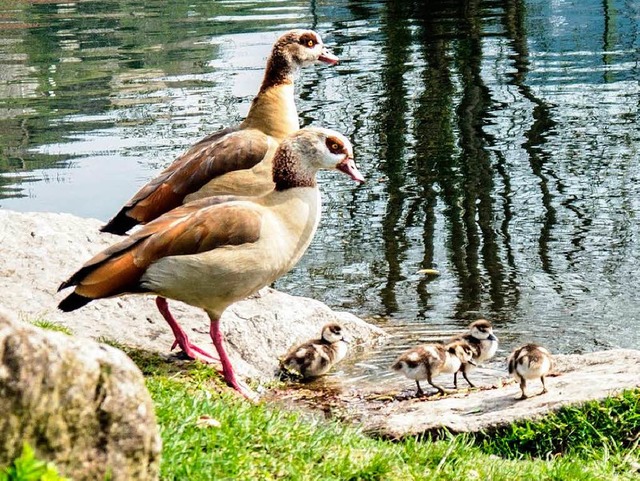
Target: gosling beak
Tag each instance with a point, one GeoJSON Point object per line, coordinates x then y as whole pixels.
{"type": "Point", "coordinates": [492, 337]}
{"type": "Point", "coordinates": [348, 166]}
{"type": "Point", "coordinates": [327, 57]}
{"type": "Point", "coordinates": [472, 363]}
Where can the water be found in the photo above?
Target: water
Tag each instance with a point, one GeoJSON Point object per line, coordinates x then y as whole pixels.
{"type": "Point", "coordinates": [500, 141]}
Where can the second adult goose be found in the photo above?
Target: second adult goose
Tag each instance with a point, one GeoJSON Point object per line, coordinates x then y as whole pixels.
{"type": "Point", "coordinates": [235, 160]}
{"type": "Point", "coordinates": [216, 251]}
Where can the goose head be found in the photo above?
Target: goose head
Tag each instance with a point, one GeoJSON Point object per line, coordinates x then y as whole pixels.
{"type": "Point", "coordinates": [294, 50]}
{"type": "Point", "coordinates": [302, 154]}
{"type": "Point", "coordinates": [302, 48]}
{"type": "Point", "coordinates": [482, 329]}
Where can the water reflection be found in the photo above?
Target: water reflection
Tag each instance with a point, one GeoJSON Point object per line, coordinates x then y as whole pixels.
{"type": "Point", "coordinates": [499, 139]}
{"type": "Point", "coordinates": [392, 123]}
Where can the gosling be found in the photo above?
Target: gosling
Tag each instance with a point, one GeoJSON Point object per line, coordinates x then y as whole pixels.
{"type": "Point", "coordinates": [530, 361]}
{"type": "Point", "coordinates": [314, 358]}
{"type": "Point", "coordinates": [484, 345]}
{"type": "Point", "coordinates": [429, 360]}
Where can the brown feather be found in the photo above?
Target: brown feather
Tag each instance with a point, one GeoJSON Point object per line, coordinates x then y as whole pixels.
{"type": "Point", "coordinates": [204, 161]}
{"type": "Point", "coordinates": [115, 276]}
{"type": "Point", "coordinates": [190, 229]}
{"type": "Point", "coordinates": [201, 231]}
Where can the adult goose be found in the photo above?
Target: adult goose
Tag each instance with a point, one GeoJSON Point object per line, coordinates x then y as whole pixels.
{"type": "Point", "coordinates": [235, 160]}
{"type": "Point", "coordinates": [213, 252]}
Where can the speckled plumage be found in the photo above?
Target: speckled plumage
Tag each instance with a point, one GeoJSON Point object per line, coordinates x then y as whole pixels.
{"type": "Point", "coordinates": [530, 361]}
{"type": "Point", "coordinates": [483, 343]}
{"type": "Point", "coordinates": [316, 357]}
{"type": "Point", "coordinates": [430, 360]}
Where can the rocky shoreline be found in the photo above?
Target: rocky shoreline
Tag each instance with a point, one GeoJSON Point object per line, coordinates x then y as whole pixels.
{"type": "Point", "coordinates": [40, 250]}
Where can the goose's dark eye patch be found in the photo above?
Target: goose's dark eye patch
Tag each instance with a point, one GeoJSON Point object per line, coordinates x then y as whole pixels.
{"type": "Point", "coordinates": [308, 40]}
{"type": "Point", "coordinates": [334, 145]}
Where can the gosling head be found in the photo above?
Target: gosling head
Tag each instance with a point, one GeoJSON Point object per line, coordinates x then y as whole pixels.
{"type": "Point", "coordinates": [332, 333]}
{"type": "Point", "coordinates": [482, 329]}
{"type": "Point", "coordinates": [462, 350]}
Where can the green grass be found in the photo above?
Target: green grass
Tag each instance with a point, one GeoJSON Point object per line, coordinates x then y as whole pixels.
{"type": "Point", "coordinates": [29, 468]}
{"type": "Point", "coordinates": [596, 441]}
{"type": "Point", "coordinates": [51, 326]}
{"type": "Point", "coordinates": [611, 425]}
{"type": "Point", "coordinates": [260, 441]}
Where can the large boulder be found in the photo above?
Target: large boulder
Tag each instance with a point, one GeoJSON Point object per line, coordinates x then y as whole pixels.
{"type": "Point", "coordinates": [40, 250]}
{"type": "Point", "coordinates": [78, 403]}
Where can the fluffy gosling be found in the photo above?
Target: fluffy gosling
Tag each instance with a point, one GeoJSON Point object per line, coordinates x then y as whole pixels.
{"type": "Point", "coordinates": [484, 345]}
{"type": "Point", "coordinates": [530, 361]}
{"type": "Point", "coordinates": [429, 360]}
{"type": "Point", "coordinates": [314, 358]}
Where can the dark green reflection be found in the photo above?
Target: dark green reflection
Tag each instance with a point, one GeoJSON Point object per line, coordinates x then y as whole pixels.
{"type": "Point", "coordinates": [451, 162]}
{"type": "Point", "coordinates": [392, 127]}
{"type": "Point", "coordinates": [65, 62]}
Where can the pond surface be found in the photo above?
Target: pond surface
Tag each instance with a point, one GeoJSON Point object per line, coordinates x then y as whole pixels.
{"type": "Point", "coordinates": [500, 140]}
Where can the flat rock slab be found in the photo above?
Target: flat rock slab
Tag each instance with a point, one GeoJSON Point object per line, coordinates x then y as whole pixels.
{"type": "Point", "coordinates": [575, 380]}
{"type": "Point", "coordinates": [40, 250]}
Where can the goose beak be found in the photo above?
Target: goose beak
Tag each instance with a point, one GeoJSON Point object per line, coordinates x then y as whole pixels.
{"type": "Point", "coordinates": [348, 166]}
{"type": "Point", "coordinates": [327, 57]}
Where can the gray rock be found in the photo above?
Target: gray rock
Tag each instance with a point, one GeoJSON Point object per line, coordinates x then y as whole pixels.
{"type": "Point", "coordinates": [40, 250]}
{"type": "Point", "coordinates": [80, 404]}
{"type": "Point", "coordinates": [577, 379]}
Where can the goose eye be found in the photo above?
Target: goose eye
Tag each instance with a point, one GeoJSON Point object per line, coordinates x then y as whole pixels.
{"type": "Point", "coordinates": [334, 145]}
{"type": "Point", "coordinates": [311, 43]}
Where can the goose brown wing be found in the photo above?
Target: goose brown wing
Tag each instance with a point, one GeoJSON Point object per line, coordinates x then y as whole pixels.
{"type": "Point", "coordinates": [190, 229]}
{"type": "Point", "coordinates": [215, 155]}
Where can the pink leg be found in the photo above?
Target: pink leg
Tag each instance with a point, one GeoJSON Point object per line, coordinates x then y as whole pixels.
{"type": "Point", "coordinates": [227, 370]}
{"type": "Point", "coordinates": [182, 339]}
